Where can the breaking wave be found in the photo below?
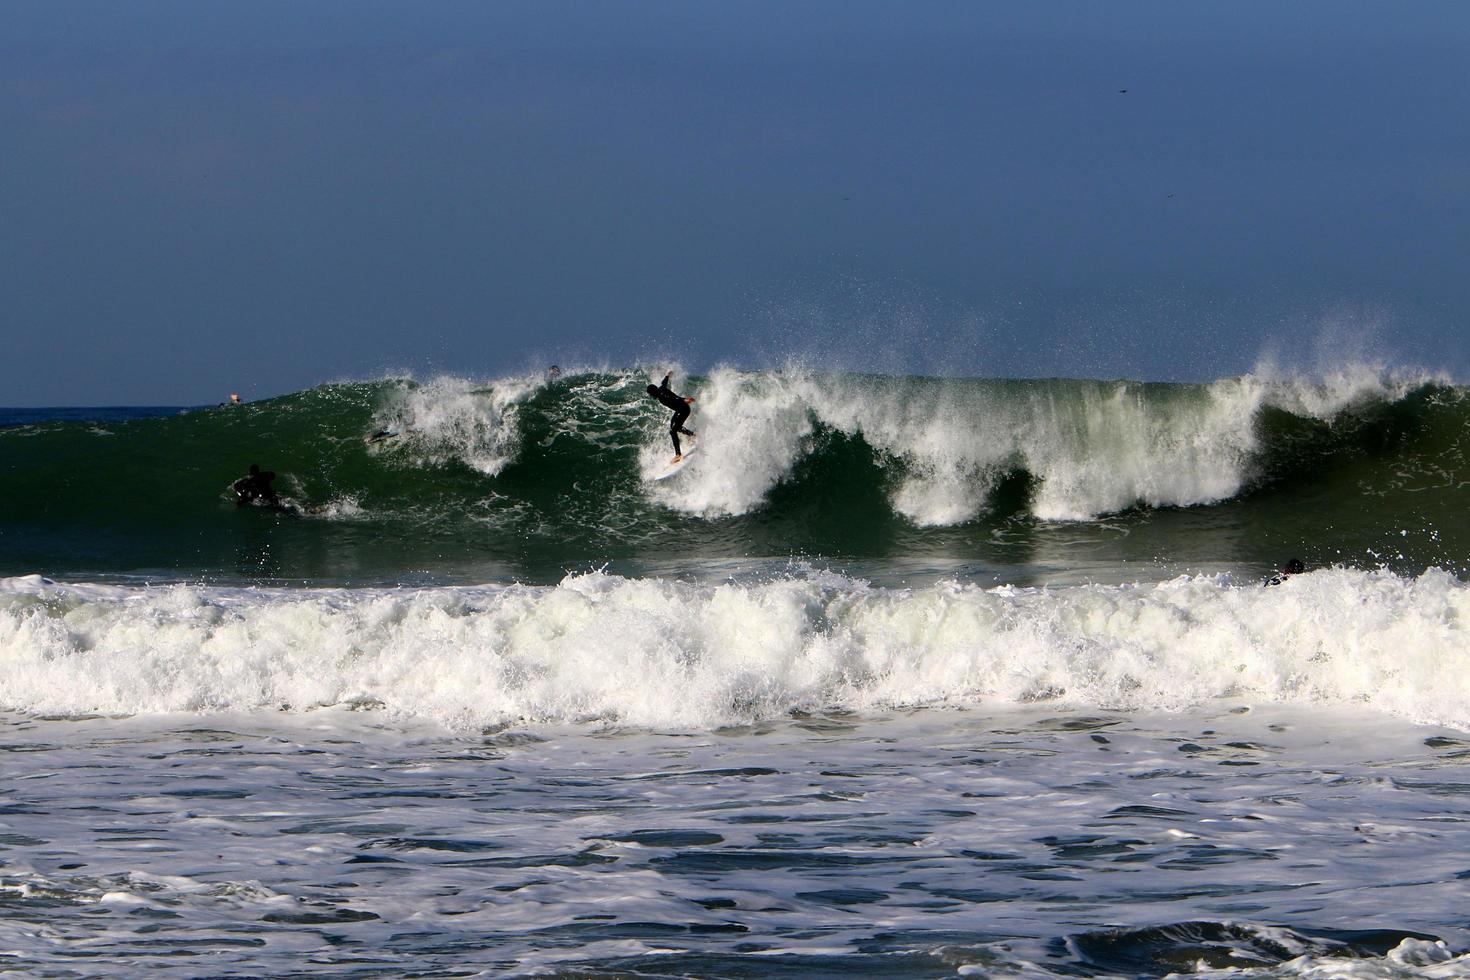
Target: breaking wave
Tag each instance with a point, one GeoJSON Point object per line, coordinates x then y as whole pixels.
{"type": "Point", "coordinates": [790, 463]}
{"type": "Point", "coordinates": [665, 654]}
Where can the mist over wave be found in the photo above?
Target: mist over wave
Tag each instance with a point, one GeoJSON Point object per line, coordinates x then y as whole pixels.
{"type": "Point", "coordinates": [1092, 447]}
{"type": "Point", "coordinates": [667, 654]}
{"type": "Point", "coordinates": [400, 473]}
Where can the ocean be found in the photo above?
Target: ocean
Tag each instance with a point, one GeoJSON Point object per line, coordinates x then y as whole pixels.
{"type": "Point", "coordinates": [898, 677]}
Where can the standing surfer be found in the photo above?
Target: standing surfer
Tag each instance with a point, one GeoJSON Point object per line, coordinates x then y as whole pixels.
{"type": "Point", "coordinates": [680, 404]}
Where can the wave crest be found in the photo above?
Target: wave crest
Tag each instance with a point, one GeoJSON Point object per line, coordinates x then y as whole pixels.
{"type": "Point", "coordinates": [452, 419]}
{"type": "Point", "coordinates": [1092, 447]}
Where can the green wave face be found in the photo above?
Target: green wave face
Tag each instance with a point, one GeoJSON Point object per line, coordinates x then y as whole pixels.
{"type": "Point", "coordinates": [526, 478]}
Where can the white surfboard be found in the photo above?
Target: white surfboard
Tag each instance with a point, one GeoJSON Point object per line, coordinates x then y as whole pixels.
{"type": "Point", "coordinates": [671, 468]}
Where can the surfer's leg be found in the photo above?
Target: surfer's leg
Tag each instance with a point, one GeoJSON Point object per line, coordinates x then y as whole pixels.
{"type": "Point", "coordinates": [674, 435]}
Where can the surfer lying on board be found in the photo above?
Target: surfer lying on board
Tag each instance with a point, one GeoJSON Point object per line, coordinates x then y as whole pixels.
{"type": "Point", "coordinates": [256, 487]}
{"type": "Point", "coordinates": [680, 404]}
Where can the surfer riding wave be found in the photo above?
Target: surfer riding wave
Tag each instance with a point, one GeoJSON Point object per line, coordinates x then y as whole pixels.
{"type": "Point", "coordinates": [680, 404]}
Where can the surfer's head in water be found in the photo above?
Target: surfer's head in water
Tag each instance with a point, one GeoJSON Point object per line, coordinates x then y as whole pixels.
{"type": "Point", "coordinates": [680, 404]}
{"type": "Point", "coordinates": [1293, 566]}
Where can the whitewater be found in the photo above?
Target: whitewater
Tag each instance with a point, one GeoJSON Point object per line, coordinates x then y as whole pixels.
{"type": "Point", "coordinates": [898, 677]}
{"type": "Point", "coordinates": [1092, 448]}
{"type": "Point", "coordinates": [663, 654]}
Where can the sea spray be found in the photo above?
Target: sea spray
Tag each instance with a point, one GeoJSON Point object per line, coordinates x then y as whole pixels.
{"type": "Point", "coordinates": [452, 419]}
{"type": "Point", "coordinates": [1094, 447]}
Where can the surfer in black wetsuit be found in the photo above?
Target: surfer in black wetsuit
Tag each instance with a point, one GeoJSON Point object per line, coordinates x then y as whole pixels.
{"type": "Point", "coordinates": [256, 487]}
{"type": "Point", "coordinates": [1293, 567]}
{"type": "Point", "coordinates": [680, 404]}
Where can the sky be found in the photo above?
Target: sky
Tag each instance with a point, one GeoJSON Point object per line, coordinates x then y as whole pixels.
{"type": "Point", "coordinates": [199, 197]}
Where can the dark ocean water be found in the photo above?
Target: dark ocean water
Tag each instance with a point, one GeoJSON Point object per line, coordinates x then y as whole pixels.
{"type": "Point", "coordinates": [10, 417]}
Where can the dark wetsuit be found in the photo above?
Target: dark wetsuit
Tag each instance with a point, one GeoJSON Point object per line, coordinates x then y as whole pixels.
{"type": "Point", "coordinates": [1293, 567]}
{"type": "Point", "coordinates": [256, 486]}
{"type": "Point", "coordinates": [681, 411]}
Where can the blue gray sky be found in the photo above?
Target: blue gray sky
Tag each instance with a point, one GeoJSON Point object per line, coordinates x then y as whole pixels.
{"type": "Point", "coordinates": [198, 198]}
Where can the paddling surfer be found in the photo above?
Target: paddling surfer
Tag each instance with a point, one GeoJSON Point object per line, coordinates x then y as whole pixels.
{"type": "Point", "coordinates": [256, 487]}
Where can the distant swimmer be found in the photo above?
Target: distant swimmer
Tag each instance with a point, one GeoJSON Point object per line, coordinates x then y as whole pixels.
{"type": "Point", "coordinates": [680, 404]}
{"type": "Point", "coordinates": [256, 488]}
{"type": "Point", "coordinates": [1292, 567]}
{"type": "Point", "coordinates": [379, 436]}
{"type": "Point", "coordinates": [553, 372]}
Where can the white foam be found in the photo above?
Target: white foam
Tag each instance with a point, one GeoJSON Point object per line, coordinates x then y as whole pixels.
{"type": "Point", "coordinates": [752, 431]}
{"type": "Point", "coordinates": [343, 508]}
{"type": "Point", "coordinates": [1095, 447]}
{"type": "Point", "coordinates": [454, 419]}
{"type": "Point", "coordinates": [1412, 959]}
{"type": "Point", "coordinates": [498, 848]}
{"type": "Point", "coordinates": [667, 654]}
